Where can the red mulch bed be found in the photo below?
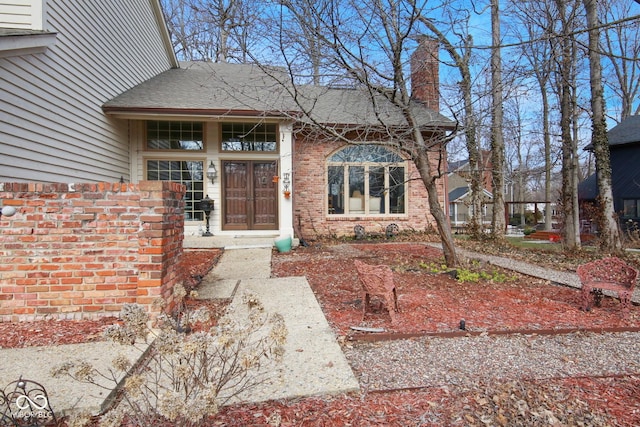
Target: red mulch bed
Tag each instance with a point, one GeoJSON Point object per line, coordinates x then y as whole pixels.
{"type": "Point", "coordinates": [196, 264]}
{"type": "Point", "coordinates": [429, 303]}
{"type": "Point", "coordinates": [436, 302]}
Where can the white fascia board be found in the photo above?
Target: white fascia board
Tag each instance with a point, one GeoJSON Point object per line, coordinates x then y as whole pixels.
{"type": "Point", "coordinates": [18, 45]}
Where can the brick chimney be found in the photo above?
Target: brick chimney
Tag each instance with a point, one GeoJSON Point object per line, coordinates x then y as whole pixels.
{"type": "Point", "coordinates": [424, 73]}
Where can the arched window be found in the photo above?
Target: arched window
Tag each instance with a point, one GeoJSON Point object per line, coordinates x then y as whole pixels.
{"type": "Point", "coordinates": [366, 180]}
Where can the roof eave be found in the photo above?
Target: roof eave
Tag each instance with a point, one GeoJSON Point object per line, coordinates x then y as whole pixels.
{"type": "Point", "coordinates": [18, 43]}
{"type": "Point", "coordinates": [211, 114]}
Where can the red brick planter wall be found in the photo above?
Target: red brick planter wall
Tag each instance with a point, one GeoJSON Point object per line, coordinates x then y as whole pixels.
{"type": "Point", "coordinates": [83, 250]}
{"type": "Point", "coordinates": [310, 197]}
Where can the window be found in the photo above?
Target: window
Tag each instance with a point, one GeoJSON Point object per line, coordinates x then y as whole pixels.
{"type": "Point", "coordinates": [186, 172]}
{"type": "Point", "coordinates": [366, 180]}
{"type": "Point", "coordinates": [631, 208]}
{"type": "Point", "coordinates": [174, 136]}
{"type": "Point", "coordinates": [249, 137]}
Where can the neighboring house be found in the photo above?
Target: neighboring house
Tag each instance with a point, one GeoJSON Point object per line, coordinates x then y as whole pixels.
{"type": "Point", "coordinates": [459, 195]}
{"type": "Point", "coordinates": [107, 101]}
{"type": "Point", "coordinates": [624, 146]}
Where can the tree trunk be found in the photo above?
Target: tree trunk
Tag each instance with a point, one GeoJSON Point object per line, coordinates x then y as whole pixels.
{"type": "Point", "coordinates": [442, 222]}
{"type": "Point", "coordinates": [461, 62]}
{"type": "Point", "coordinates": [497, 141]}
{"type": "Point", "coordinates": [609, 235]}
{"type": "Point", "coordinates": [565, 62]}
{"type": "Point", "coordinates": [548, 215]}
{"type": "Point", "coordinates": [475, 173]}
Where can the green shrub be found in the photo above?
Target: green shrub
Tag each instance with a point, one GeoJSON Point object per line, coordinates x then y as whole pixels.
{"type": "Point", "coordinates": [433, 267]}
{"type": "Point", "coordinates": [473, 274]}
{"type": "Point", "coordinates": [464, 275]}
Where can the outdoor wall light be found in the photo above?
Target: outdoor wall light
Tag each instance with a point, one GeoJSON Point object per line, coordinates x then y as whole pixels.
{"type": "Point", "coordinates": [212, 172]}
{"type": "Point", "coordinates": [286, 182]}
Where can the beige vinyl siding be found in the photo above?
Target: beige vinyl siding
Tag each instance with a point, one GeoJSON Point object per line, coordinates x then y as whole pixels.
{"type": "Point", "coordinates": [23, 14]}
{"type": "Point", "coordinates": [52, 127]}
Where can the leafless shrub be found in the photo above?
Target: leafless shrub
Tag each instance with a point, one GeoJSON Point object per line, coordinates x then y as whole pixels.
{"type": "Point", "coordinates": [185, 378]}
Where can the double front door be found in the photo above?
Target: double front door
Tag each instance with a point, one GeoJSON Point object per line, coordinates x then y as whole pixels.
{"type": "Point", "coordinates": [250, 195]}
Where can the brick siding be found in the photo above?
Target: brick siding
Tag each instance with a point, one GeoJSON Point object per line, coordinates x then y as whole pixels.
{"type": "Point", "coordinates": [83, 250]}
{"type": "Point", "coordinates": [310, 197]}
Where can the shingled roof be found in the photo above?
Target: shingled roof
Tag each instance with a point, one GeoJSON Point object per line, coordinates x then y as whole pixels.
{"type": "Point", "coordinates": [223, 89]}
{"type": "Point", "coordinates": [626, 132]}
{"type": "Point", "coordinates": [206, 88]}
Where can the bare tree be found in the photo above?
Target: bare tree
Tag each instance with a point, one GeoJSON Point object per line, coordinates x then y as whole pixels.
{"type": "Point", "coordinates": [609, 234]}
{"type": "Point", "coordinates": [522, 153]}
{"type": "Point", "coordinates": [497, 138]}
{"type": "Point", "coordinates": [461, 56]}
{"type": "Point", "coordinates": [212, 30]}
{"type": "Point", "coordinates": [538, 25]}
{"type": "Point", "coordinates": [184, 28]}
{"type": "Point", "coordinates": [565, 58]}
{"type": "Point", "coordinates": [371, 53]}
{"type": "Point", "coordinates": [298, 36]}
{"type": "Point", "coordinates": [621, 46]}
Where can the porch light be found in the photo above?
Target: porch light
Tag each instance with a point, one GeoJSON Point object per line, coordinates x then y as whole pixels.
{"type": "Point", "coordinates": [286, 182]}
{"type": "Point", "coordinates": [212, 172]}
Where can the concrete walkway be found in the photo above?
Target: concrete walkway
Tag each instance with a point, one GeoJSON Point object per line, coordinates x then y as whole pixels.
{"type": "Point", "coordinates": [313, 363]}
{"type": "Point", "coordinates": [66, 395]}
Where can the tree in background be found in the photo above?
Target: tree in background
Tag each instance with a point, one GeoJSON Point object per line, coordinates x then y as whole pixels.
{"type": "Point", "coordinates": [498, 225]}
{"type": "Point", "coordinates": [535, 49]}
{"type": "Point", "coordinates": [461, 55]}
{"type": "Point", "coordinates": [621, 48]}
{"type": "Point", "coordinates": [609, 233]}
{"type": "Point", "coordinates": [565, 56]}
{"type": "Point", "coordinates": [371, 54]}
{"type": "Point", "coordinates": [212, 30]}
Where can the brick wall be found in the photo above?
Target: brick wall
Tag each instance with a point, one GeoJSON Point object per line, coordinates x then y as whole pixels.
{"type": "Point", "coordinates": [83, 250]}
{"type": "Point", "coordinates": [310, 197]}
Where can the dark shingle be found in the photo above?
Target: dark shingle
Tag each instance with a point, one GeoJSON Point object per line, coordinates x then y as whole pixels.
{"type": "Point", "coordinates": [458, 193]}
{"type": "Point", "coordinates": [218, 88]}
{"type": "Point", "coordinates": [626, 132]}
